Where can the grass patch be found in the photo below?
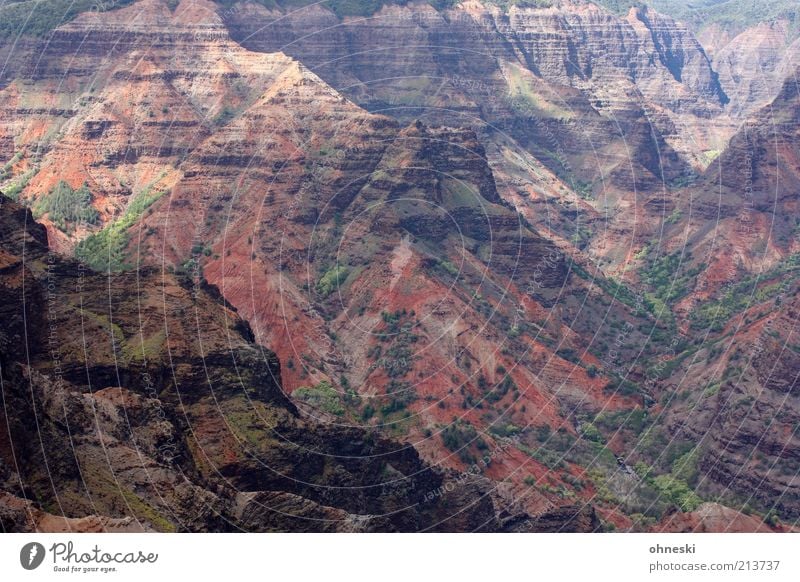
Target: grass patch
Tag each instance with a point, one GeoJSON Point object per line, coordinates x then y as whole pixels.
{"type": "Point", "coordinates": [323, 396]}
{"type": "Point", "coordinates": [36, 18]}
{"type": "Point", "coordinates": [106, 250]}
{"type": "Point", "coordinates": [66, 207]}
{"type": "Point", "coordinates": [749, 292]}
{"type": "Point", "coordinates": [15, 188]}
{"type": "Point", "coordinates": [332, 280]}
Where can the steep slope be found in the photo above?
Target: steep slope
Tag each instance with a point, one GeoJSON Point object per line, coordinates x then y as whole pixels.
{"type": "Point", "coordinates": [754, 65]}
{"type": "Point", "coordinates": [173, 418]}
{"type": "Point", "coordinates": [732, 404]}
{"type": "Point", "coordinates": [729, 265]}
{"type": "Point", "coordinates": [380, 253]}
{"type": "Point", "coordinates": [335, 225]}
{"type": "Point", "coordinates": [739, 220]}
{"type": "Point", "coordinates": [620, 110]}
{"type": "Point", "coordinates": [116, 100]}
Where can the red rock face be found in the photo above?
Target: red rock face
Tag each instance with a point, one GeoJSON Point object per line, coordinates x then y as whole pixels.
{"type": "Point", "coordinates": [414, 233]}
{"type": "Point", "coordinates": [144, 422]}
{"type": "Point", "coordinates": [619, 109]}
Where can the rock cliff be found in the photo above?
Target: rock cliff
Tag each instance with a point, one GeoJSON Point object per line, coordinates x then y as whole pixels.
{"type": "Point", "coordinates": [162, 415]}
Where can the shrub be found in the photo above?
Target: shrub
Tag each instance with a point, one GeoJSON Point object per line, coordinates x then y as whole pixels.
{"type": "Point", "coordinates": [105, 250]}
{"type": "Point", "coordinates": [677, 492]}
{"type": "Point", "coordinates": [458, 435]}
{"type": "Point", "coordinates": [323, 396]}
{"type": "Point", "coordinates": [332, 280]}
{"type": "Point", "coordinates": [368, 412]}
{"type": "Point", "coordinates": [772, 518]}
{"type": "Point", "coordinates": [590, 432]}
{"type": "Point", "coordinates": [65, 206]}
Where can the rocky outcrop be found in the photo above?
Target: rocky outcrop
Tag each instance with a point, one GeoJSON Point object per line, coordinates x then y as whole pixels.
{"type": "Point", "coordinates": [353, 206]}
{"type": "Point", "coordinates": [754, 65]}
{"type": "Point", "coordinates": [713, 517]}
{"type": "Point", "coordinates": [566, 63]}
{"type": "Point", "coordinates": [620, 108]}
{"type": "Point", "coordinates": [177, 421]}
{"type": "Point", "coordinates": [20, 515]}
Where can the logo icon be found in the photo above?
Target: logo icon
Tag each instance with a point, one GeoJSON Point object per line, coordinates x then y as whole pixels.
{"type": "Point", "coordinates": [31, 555]}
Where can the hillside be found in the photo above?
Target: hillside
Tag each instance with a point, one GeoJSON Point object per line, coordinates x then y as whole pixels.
{"type": "Point", "coordinates": [520, 247]}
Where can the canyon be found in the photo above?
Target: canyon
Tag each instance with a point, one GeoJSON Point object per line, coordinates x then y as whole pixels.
{"type": "Point", "coordinates": [450, 267]}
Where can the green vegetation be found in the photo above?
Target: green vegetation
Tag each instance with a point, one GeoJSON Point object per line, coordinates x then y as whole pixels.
{"type": "Point", "coordinates": [36, 18]}
{"type": "Point", "coordinates": [323, 396]}
{"type": "Point", "coordinates": [677, 492]}
{"type": "Point", "coordinates": [5, 171]}
{"type": "Point", "coordinates": [224, 116]}
{"type": "Point", "coordinates": [569, 354]}
{"type": "Point", "coordinates": [581, 237]}
{"type": "Point", "coordinates": [677, 462]}
{"type": "Point", "coordinates": [749, 292]}
{"type": "Point", "coordinates": [341, 8]}
{"type": "Point", "coordinates": [590, 432]}
{"type": "Point", "coordinates": [394, 356]}
{"type": "Point", "coordinates": [448, 267]}
{"type": "Point", "coordinates": [711, 155]}
{"type": "Point", "coordinates": [555, 449]}
{"type": "Point", "coordinates": [105, 250]}
{"type": "Point", "coordinates": [15, 188]}
{"type": "Point", "coordinates": [684, 468]}
{"type": "Point", "coordinates": [143, 350]}
{"type": "Point", "coordinates": [344, 8]}
{"type": "Point", "coordinates": [732, 15]}
{"type": "Point", "coordinates": [715, 314]}
{"type": "Point", "coordinates": [495, 393]}
{"type": "Point", "coordinates": [622, 387]}
{"type": "Point", "coordinates": [619, 7]}
{"type": "Point", "coordinates": [712, 389]}
{"type": "Point", "coordinates": [634, 420]}
{"type": "Point", "coordinates": [611, 286]}
{"type": "Point", "coordinates": [772, 518]}
{"type": "Point", "coordinates": [66, 207]}
{"type": "Point", "coordinates": [504, 4]}
{"type": "Point", "coordinates": [459, 437]}
{"type": "Point", "coordinates": [109, 490]}
{"type": "Point", "coordinates": [401, 393]}
{"type": "Point", "coordinates": [669, 277]}
{"type": "Point", "coordinates": [332, 280]}
{"type": "Point", "coordinates": [674, 216]}
{"type": "Point", "coordinates": [504, 430]}
{"type": "Point", "coordinates": [396, 359]}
